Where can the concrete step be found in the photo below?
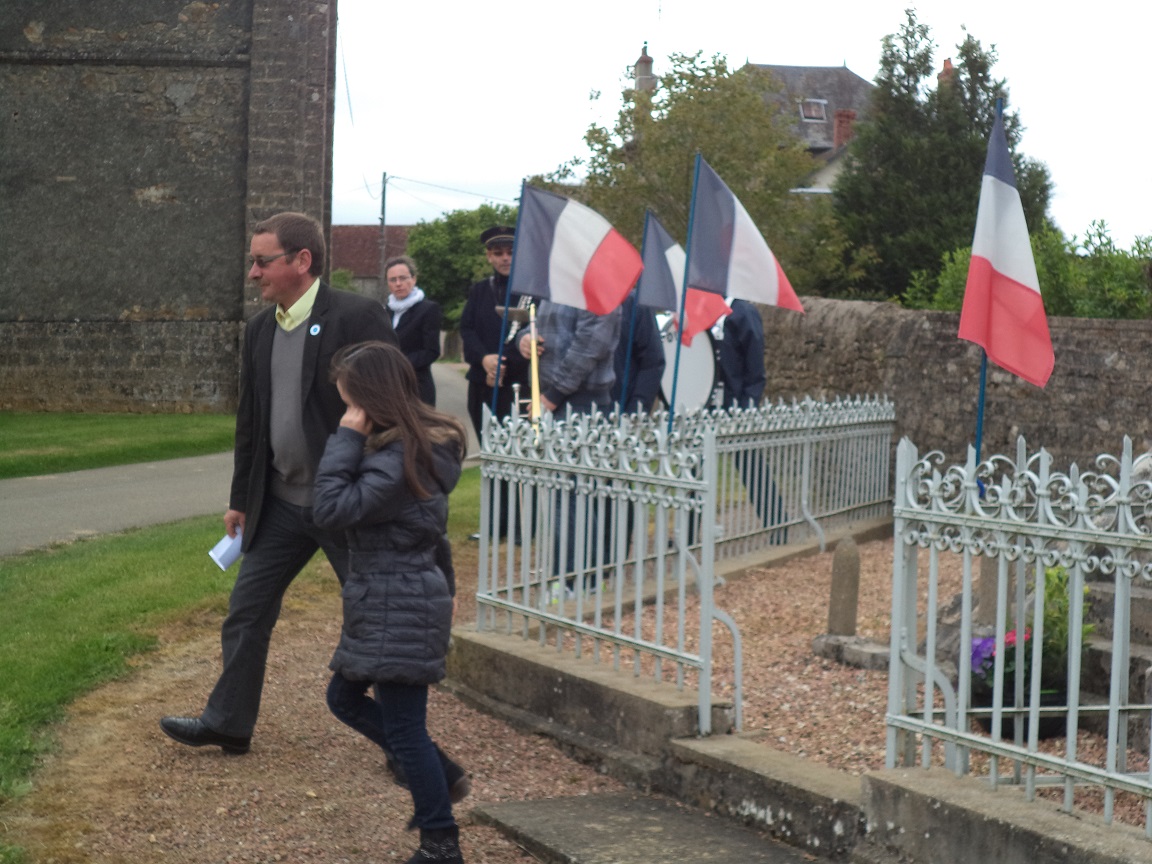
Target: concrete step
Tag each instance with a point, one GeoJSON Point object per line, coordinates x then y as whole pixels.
{"type": "Point", "coordinates": [1095, 682]}
{"type": "Point", "coordinates": [630, 829]}
{"type": "Point", "coordinates": [1101, 601]}
{"type": "Point", "coordinates": [1096, 668]}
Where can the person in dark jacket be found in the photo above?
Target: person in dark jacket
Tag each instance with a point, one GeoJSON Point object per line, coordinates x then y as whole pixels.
{"type": "Point", "coordinates": [287, 410]}
{"type": "Point", "coordinates": [416, 320]}
{"type": "Point", "coordinates": [384, 480]}
{"type": "Point", "coordinates": [639, 358]}
{"type": "Point", "coordinates": [741, 355]}
{"type": "Point", "coordinates": [480, 328]}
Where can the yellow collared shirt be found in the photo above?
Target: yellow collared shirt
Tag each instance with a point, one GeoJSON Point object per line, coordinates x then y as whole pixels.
{"type": "Point", "coordinates": [291, 318]}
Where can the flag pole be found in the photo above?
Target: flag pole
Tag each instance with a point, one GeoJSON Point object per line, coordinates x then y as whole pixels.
{"type": "Point", "coordinates": [980, 403]}
{"type": "Point", "coordinates": [534, 409]}
{"type": "Point", "coordinates": [984, 355]}
{"type": "Point", "coordinates": [683, 296]}
{"type": "Point", "coordinates": [507, 303]}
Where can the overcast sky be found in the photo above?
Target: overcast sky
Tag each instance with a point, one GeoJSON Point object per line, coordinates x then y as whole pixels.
{"type": "Point", "coordinates": [458, 101]}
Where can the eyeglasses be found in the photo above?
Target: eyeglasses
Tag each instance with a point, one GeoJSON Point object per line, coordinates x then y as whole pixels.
{"type": "Point", "coordinates": [262, 262]}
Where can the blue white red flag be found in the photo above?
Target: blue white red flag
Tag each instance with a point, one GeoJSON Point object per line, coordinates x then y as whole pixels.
{"type": "Point", "coordinates": [728, 257]}
{"type": "Point", "coordinates": [663, 276]}
{"type": "Point", "coordinates": [1003, 311]}
{"type": "Point", "coordinates": [568, 253]}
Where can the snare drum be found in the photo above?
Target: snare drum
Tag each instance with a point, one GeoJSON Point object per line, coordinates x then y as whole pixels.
{"type": "Point", "coordinates": [698, 385]}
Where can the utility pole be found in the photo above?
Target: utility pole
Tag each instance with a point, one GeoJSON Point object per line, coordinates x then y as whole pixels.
{"type": "Point", "coordinates": [383, 289]}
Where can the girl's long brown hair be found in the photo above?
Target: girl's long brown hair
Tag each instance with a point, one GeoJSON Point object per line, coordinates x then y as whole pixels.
{"type": "Point", "coordinates": [378, 378]}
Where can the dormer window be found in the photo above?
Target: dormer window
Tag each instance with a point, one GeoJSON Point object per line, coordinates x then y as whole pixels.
{"type": "Point", "coordinates": [814, 110]}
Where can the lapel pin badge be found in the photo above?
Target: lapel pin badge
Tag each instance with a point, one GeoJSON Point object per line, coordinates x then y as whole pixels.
{"type": "Point", "coordinates": [314, 330]}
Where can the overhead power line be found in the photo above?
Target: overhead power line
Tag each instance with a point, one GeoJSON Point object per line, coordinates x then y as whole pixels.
{"type": "Point", "coordinates": [451, 189]}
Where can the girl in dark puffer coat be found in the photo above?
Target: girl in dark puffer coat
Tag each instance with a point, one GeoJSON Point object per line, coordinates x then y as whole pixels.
{"type": "Point", "coordinates": [385, 478]}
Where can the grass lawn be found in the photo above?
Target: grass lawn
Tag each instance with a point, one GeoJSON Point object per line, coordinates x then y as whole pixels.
{"type": "Point", "coordinates": [42, 443]}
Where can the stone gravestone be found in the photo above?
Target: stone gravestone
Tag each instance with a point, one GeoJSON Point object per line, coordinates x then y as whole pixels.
{"type": "Point", "coordinates": [841, 643]}
{"type": "Point", "coordinates": [986, 592]}
{"type": "Point", "coordinates": [845, 594]}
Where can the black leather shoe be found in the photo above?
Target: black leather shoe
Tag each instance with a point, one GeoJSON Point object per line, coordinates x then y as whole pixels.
{"type": "Point", "coordinates": [193, 732]}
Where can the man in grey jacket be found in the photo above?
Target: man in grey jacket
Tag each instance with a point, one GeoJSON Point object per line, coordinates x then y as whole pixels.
{"type": "Point", "coordinates": [577, 350]}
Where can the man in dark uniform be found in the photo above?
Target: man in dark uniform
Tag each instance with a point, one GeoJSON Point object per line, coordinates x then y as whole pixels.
{"type": "Point", "coordinates": [741, 355]}
{"type": "Point", "coordinates": [641, 357]}
{"type": "Point", "coordinates": [480, 328]}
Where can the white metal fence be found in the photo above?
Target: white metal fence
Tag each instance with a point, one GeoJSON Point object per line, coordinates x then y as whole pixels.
{"type": "Point", "coordinates": [599, 534]}
{"type": "Point", "coordinates": [795, 470]}
{"type": "Point", "coordinates": [1050, 534]}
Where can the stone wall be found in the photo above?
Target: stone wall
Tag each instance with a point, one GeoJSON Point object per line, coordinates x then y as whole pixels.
{"type": "Point", "coordinates": [1098, 393]}
{"type": "Point", "coordinates": [127, 365]}
{"type": "Point", "coordinates": [139, 142]}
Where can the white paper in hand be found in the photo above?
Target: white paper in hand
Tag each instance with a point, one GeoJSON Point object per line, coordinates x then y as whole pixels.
{"type": "Point", "coordinates": [227, 551]}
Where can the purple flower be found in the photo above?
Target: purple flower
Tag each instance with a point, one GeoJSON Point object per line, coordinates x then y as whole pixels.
{"type": "Point", "coordinates": [982, 652]}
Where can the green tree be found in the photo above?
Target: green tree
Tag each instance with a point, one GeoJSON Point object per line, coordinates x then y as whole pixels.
{"type": "Point", "coordinates": [1117, 283]}
{"type": "Point", "coordinates": [1092, 278]}
{"type": "Point", "coordinates": [341, 279]}
{"type": "Point", "coordinates": [449, 256]}
{"type": "Point", "coordinates": [911, 185]}
{"type": "Point", "coordinates": [646, 160]}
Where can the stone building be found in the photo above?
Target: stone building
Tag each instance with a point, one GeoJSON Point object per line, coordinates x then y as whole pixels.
{"type": "Point", "coordinates": [140, 140]}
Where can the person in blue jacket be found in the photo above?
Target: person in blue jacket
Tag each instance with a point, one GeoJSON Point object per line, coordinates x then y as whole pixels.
{"type": "Point", "coordinates": [384, 480]}
{"type": "Point", "coordinates": [741, 350]}
{"type": "Point", "coordinates": [639, 359]}
{"type": "Point", "coordinates": [741, 356]}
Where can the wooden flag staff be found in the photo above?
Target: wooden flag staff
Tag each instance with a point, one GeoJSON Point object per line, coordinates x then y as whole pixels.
{"type": "Point", "coordinates": [535, 407]}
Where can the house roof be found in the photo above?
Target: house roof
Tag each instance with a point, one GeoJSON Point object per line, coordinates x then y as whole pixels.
{"type": "Point", "coordinates": [827, 90]}
{"type": "Point", "coordinates": [357, 247]}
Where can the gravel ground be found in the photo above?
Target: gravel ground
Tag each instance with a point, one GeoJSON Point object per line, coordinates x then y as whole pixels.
{"type": "Point", "coordinates": [311, 790]}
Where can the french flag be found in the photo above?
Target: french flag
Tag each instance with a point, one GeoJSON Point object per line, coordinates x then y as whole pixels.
{"type": "Point", "coordinates": [728, 257]}
{"type": "Point", "coordinates": [570, 254]}
{"type": "Point", "coordinates": [1003, 312]}
{"type": "Point", "coordinates": [663, 276]}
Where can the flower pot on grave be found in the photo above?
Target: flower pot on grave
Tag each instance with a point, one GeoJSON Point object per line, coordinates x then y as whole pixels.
{"type": "Point", "coordinates": [1050, 726]}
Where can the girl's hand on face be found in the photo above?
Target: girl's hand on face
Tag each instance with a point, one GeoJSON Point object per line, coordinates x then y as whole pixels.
{"type": "Point", "coordinates": [355, 418]}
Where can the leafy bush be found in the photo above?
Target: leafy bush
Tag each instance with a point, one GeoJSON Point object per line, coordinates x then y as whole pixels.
{"type": "Point", "coordinates": [1089, 278]}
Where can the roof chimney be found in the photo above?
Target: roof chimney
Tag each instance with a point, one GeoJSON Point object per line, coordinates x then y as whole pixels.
{"type": "Point", "coordinates": [843, 127]}
{"type": "Point", "coordinates": [947, 73]}
{"type": "Point", "coordinates": [642, 72]}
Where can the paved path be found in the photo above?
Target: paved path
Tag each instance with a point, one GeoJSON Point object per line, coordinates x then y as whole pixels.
{"type": "Point", "coordinates": [38, 511]}
{"type": "Point", "coordinates": [56, 508]}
